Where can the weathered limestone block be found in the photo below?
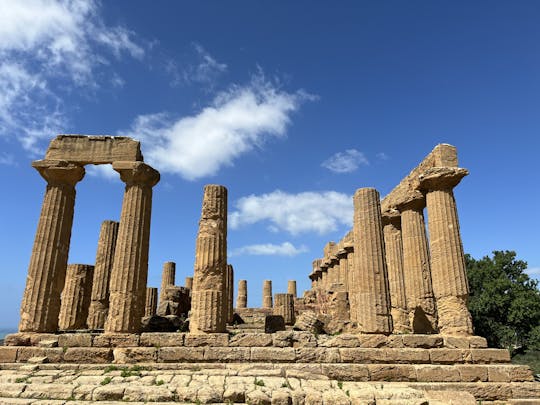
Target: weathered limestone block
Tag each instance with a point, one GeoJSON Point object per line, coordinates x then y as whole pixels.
{"type": "Point", "coordinates": [229, 290]}
{"type": "Point", "coordinates": [151, 301]}
{"type": "Point", "coordinates": [284, 306]}
{"type": "Point", "coordinates": [309, 321]}
{"type": "Point", "coordinates": [76, 297]}
{"type": "Point", "coordinates": [208, 309]}
{"type": "Point", "coordinates": [339, 305]}
{"type": "Point", "coordinates": [47, 269]}
{"type": "Point", "coordinates": [168, 276]}
{"type": "Point", "coordinates": [241, 299]}
{"type": "Point", "coordinates": [416, 268]}
{"type": "Point", "coordinates": [99, 304]}
{"type": "Point", "coordinates": [130, 268]}
{"type": "Point", "coordinates": [267, 294]}
{"type": "Point", "coordinates": [291, 288]}
{"type": "Point", "coordinates": [394, 262]}
{"type": "Point", "coordinates": [372, 304]}
{"type": "Point", "coordinates": [176, 301]}
{"type": "Point", "coordinates": [447, 260]}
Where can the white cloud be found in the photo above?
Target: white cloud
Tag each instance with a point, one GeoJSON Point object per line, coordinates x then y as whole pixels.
{"type": "Point", "coordinates": [269, 249]}
{"type": "Point", "coordinates": [382, 156]}
{"type": "Point", "coordinates": [238, 120]}
{"type": "Point", "coordinates": [7, 159]}
{"type": "Point", "coordinates": [345, 162]}
{"type": "Point", "coordinates": [46, 48]}
{"type": "Point", "coordinates": [533, 272]}
{"type": "Point", "coordinates": [319, 212]}
{"type": "Point", "coordinates": [105, 171]}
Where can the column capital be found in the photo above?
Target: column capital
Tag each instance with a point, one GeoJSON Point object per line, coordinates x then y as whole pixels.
{"type": "Point", "coordinates": [334, 259]}
{"type": "Point", "coordinates": [341, 253]}
{"type": "Point", "coordinates": [441, 178]}
{"type": "Point", "coordinates": [415, 201]}
{"type": "Point", "coordinates": [59, 172]}
{"type": "Point", "coordinates": [391, 217]}
{"type": "Point", "coordinates": [137, 173]}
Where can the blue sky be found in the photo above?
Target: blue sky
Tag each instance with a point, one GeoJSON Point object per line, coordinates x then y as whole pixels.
{"type": "Point", "coordinates": [291, 105]}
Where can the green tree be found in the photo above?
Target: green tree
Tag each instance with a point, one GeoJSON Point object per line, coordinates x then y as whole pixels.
{"type": "Point", "coordinates": [504, 302]}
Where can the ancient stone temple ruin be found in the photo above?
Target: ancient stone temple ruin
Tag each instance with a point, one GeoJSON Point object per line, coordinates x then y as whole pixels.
{"type": "Point", "coordinates": [385, 319]}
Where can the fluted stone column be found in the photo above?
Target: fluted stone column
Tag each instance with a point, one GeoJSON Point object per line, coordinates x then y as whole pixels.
{"type": "Point", "coordinates": [99, 304]}
{"type": "Point", "coordinates": [168, 276]}
{"type": "Point", "coordinates": [47, 269]}
{"type": "Point", "coordinates": [208, 297]}
{"type": "Point", "coordinates": [291, 288]}
{"type": "Point", "coordinates": [76, 297]}
{"type": "Point", "coordinates": [241, 299]}
{"type": "Point", "coordinates": [267, 294]}
{"type": "Point", "coordinates": [230, 293]}
{"type": "Point", "coordinates": [284, 306]}
{"type": "Point", "coordinates": [372, 304]}
{"type": "Point", "coordinates": [351, 281]}
{"type": "Point", "coordinates": [188, 282]}
{"type": "Point", "coordinates": [448, 272]}
{"type": "Point", "coordinates": [130, 268]}
{"type": "Point", "coordinates": [324, 276]}
{"type": "Point", "coordinates": [333, 270]}
{"type": "Point", "coordinates": [151, 301]}
{"type": "Point", "coordinates": [394, 264]}
{"type": "Point", "coordinates": [416, 268]}
{"type": "Point", "coordinates": [343, 267]}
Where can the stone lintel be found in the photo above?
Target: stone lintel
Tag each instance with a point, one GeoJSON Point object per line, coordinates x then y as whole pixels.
{"type": "Point", "coordinates": [441, 177]}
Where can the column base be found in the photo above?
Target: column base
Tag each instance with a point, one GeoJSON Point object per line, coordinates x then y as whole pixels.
{"type": "Point", "coordinates": [454, 316]}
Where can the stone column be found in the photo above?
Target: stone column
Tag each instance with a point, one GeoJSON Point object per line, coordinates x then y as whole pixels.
{"type": "Point", "coordinates": [394, 264]}
{"type": "Point", "coordinates": [416, 269]}
{"type": "Point", "coordinates": [324, 275]}
{"type": "Point", "coordinates": [168, 276]}
{"type": "Point", "coordinates": [99, 305]}
{"type": "Point", "coordinates": [448, 271]}
{"type": "Point", "coordinates": [130, 268]}
{"type": "Point", "coordinates": [284, 306]}
{"type": "Point", "coordinates": [241, 299]}
{"type": "Point", "coordinates": [151, 301]}
{"type": "Point", "coordinates": [208, 297]}
{"type": "Point", "coordinates": [47, 269]}
{"type": "Point", "coordinates": [372, 304]}
{"type": "Point", "coordinates": [267, 294]}
{"type": "Point", "coordinates": [189, 283]}
{"type": "Point", "coordinates": [230, 293]}
{"type": "Point", "coordinates": [291, 288]}
{"type": "Point", "coordinates": [335, 273]}
{"type": "Point", "coordinates": [76, 297]}
{"type": "Point", "coordinates": [351, 281]}
{"type": "Point", "coordinates": [343, 267]}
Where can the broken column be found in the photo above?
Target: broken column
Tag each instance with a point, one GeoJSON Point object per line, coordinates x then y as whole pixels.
{"type": "Point", "coordinates": [291, 288]}
{"type": "Point", "coordinates": [47, 269]}
{"type": "Point", "coordinates": [284, 306]}
{"type": "Point", "coordinates": [99, 304]}
{"type": "Point", "coordinates": [151, 301]}
{"type": "Point", "coordinates": [76, 297]}
{"type": "Point", "coordinates": [448, 271]}
{"type": "Point", "coordinates": [229, 295]}
{"type": "Point", "coordinates": [168, 276]}
{"type": "Point", "coordinates": [394, 264]}
{"type": "Point", "coordinates": [241, 299]}
{"type": "Point", "coordinates": [267, 294]}
{"type": "Point", "coordinates": [416, 268]}
{"type": "Point", "coordinates": [372, 304]}
{"type": "Point", "coordinates": [208, 310]}
{"type": "Point", "coordinates": [130, 268]}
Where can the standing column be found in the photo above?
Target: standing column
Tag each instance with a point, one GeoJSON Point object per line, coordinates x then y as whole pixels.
{"type": "Point", "coordinates": [76, 297]}
{"type": "Point", "coordinates": [267, 294]}
{"type": "Point", "coordinates": [230, 293]}
{"type": "Point", "coordinates": [416, 269]}
{"type": "Point", "coordinates": [130, 268]}
{"type": "Point", "coordinates": [208, 309]}
{"type": "Point", "coordinates": [99, 305]}
{"type": "Point", "coordinates": [291, 288]}
{"type": "Point", "coordinates": [151, 301]}
{"type": "Point", "coordinates": [394, 264]}
{"type": "Point", "coordinates": [351, 282]}
{"type": "Point", "coordinates": [188, 283]}
{"type": "Point", "coordinates": [334, 275]}
{"type": "Point", "coordinates": [47, 269]}
{"type": "Point", "coordinates": [343, 267]}
{"type": "Point", "coordinates": [241, 299]}
{"type": "Point", "coordinates": [284, 306]}
{"type": "Point", "coordinates": [447, 261]}
{"type": "Point", "coordinates": [372, 306]}
{"type": "Point", "coordinates": [324, 275]}
{"type": "Point", "coordinates": [168, 276]}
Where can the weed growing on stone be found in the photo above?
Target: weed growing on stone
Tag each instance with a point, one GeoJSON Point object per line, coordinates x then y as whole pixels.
{"type": "Point", "coordinates": [160, 382]}
{"type": "Point", "coordinates": [340, 385]}
{"type": "Point", "coordinates": [110, 368]}
{"type": "Point", "coordinates": [106, 381]}
{"type": "Point", "coordinates": [258, 382]}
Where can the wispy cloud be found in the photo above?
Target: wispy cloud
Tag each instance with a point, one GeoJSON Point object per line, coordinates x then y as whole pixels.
{"type": "Point", "coordinates": [105, 171]}
{"type": "Point", "coordinates": [237, 121]}
{"type": "Point", "coordinates": [382, 156]}
{"type": "Point", "coordinates": [533, 272]}
{"type": "Point", "coordinates": [319, 212]}
{"type": "Point", "coordinates": [47, 47]}
{"type": "Point", "coordinates": [269, 249]}
{"type": "Point", "coordinates": [345, 162]}
{"type": "Point", "coordinates": [7, 159]}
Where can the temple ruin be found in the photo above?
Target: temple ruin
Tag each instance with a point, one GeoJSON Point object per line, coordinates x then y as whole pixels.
{"type": "Point", "coordinates": [386, 303]}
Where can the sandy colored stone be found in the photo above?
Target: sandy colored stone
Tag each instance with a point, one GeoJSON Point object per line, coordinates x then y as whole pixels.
{"type": "Point", "coordinates": [229, 294]}
{"type": "Point", "coordinates": [284, 306]}
{"type": "Point", "coordinates": [99, 302]}
{"type": "Point", "coordinates": [210, 339]}
{"type": "Point", "coordinates": [47, 269]}
{"type": "Point", "coordinates": [251, 340]}
{"type": "Point", "coordinates": [490, 355]}
{"type": "Point", "coordinates": [370, 288]}
{"type": "Point", "coordinates": [76, 297]}
{"type": "Point", "coordinates": [116, 340]}
{"type": "Point", "coordinates": [208, 309]}
{"type": "Point", "coordinates": [135, 355]}
{"type": "Point", "coordinates": [88, 355]}
{"type": "Point", "coordinates": [227, 354]}
{"type": "Point", "coordinates": [168, 276]}
{"type": "Point", "coordinates": [291, 288]}
{"type": "Point", "coordinates": [180, 354]}
{"type": "Point", "coordinates": [188, 283]}
{"type": "Point", "coordinates": [157, 339]}
{"type": "Point", "coordinates": [130, 267]}
{"type": "Point", "coordinates": [267, 294]}
{"type": "Point", "coordinates": [431, 373]}
{"type": "Point", "coordinates": [150, 306]}
{"type": "Point", "coordinates": [423, 341]}
{"type": "Point", "coordinates": [8, 354]}
{"type": "Point", "coordinates": [241, 300]}
{"type": "Point", "coordinates": [272, 354]}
